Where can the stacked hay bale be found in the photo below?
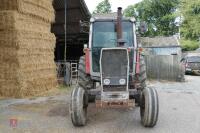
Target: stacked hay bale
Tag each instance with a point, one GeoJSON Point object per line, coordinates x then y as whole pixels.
{"type": "Point", "coordinates": [26, 48]}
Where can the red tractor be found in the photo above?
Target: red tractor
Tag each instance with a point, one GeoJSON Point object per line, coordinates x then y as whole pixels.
{"type": "Point", "coordinates": [114, 61]}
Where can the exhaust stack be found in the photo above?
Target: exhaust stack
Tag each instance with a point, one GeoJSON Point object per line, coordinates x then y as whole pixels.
{"type": "Point", "coordinates": [120, 41]}
{"type": "Point", "coordinates": [119, 23]}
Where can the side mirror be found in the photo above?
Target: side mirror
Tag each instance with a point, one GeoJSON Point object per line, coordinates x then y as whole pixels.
{"type": "Point", "coordinates": [143, 27]}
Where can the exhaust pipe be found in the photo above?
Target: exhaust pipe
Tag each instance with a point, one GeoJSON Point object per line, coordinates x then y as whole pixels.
{"type": "Point", "coordinates": [120, 41]}
{"type": "Point", "coordinates": [119, 23]}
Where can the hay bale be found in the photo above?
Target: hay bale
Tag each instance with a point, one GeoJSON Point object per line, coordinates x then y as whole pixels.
{"type": "Point", "coordinates": [12, 20]}
{"type": "Point", "coordinates": [31, 87]}
{"type": "Point", "coordinates": [26, 48]}
{"type": "Point", "coordinates": [27, 78]}
{"type": "Point", "coordinates": [27, 63]}
{"type": "Point", "coordinates": [23, 39]}
{"type": "Point", "coordinates": [42, 9]}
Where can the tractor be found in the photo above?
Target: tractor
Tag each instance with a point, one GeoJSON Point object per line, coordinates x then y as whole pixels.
{"type": "Point", "coordinates": [112, 73]}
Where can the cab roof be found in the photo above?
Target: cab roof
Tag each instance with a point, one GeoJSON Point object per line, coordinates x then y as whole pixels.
{"type": "Point", "coordinates": [109, 17]}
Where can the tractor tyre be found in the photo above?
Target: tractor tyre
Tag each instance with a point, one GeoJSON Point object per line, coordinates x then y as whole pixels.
{"type": "Point", "coordinates": [149, 107]}
{"type": "Point", "coordinates": [78, 106]}
{"type": "Point", "coordinates": [84, 79]}
{"type": "Point", "coordinates": [142, 74]}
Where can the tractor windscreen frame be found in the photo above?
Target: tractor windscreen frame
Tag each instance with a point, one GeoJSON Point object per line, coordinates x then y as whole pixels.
{"type": "Point", "coordinates": [105, 34]}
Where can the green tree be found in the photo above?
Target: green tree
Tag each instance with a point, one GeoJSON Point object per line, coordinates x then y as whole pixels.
{"type": "Point", "coordinates": [131, 11]}
{"type": "Point", "coordinates": [190, 10]}
{"type": "Point", "coordinates": [103, 7]}
{"type": "Point", "coordinates": [160, 16]}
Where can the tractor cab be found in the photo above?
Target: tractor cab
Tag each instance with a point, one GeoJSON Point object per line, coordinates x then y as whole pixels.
{"type": "Point", "coordinates": [111, 31]}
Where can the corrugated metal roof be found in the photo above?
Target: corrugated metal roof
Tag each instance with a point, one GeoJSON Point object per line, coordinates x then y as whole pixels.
{"type": "Point", "coordinates": [109, 16]}
{"type": "Point", "coordinates": [76, 10]}
{"type": "Point", "coordinates": [106, 16]}
{"type": "Point", "coordinates": [159, 41]}
{"type": "Point", "coordinates": [72, 4]}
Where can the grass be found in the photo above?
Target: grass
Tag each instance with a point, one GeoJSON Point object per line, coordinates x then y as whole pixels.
{"type": "Point", "coordinates": [63, 87]}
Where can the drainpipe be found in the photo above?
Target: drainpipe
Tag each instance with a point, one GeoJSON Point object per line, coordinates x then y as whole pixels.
{"type": "Point", "coordinates": [65, 51]}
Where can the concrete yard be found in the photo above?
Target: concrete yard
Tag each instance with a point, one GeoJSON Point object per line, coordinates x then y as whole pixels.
{"type": "Point", "coordinates": [179, 113]}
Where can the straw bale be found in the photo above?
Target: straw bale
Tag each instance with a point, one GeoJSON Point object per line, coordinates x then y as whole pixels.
{"type": "Point", "coordinates": [26, 39]}
{"type": "Point", "coordinates": [6, 52]}
{"type": "Point", "coordinates": [26, 75]}
{"type": "Point", "coordinates": [10, 88]}
{"type": "Point", "coordinates": [20, 35]}
{"type": "Point", "coordinates": [27, 63]}
{"type": "Point", "coordinates": [37, 86]}
{"type": "Point", "coordinates": [42, 9]}
{"type": "Point", "coordinates": [12, 20]}
{"type": "Point", "coordinates": [22, 83]}
{"type": "Point", "coordinates": [26, 48]}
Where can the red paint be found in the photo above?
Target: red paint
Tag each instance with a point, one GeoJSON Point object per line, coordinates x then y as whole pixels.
{"type": "Point", "coordinates": [138, 63]}
{"type": "Point", "coordinates": [129, 50]}
{"type": "Point", "coordinates": [87, 61]}
{"type": "Point", "coordinates": [13, 123]}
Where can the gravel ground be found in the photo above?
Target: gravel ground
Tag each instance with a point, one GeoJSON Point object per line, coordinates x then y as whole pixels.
{"type": "Point", "coordinates": [179, 113]}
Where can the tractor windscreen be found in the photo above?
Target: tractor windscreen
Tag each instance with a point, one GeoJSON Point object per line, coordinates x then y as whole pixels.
{"type": "Point", "coordinates": [105, 34]}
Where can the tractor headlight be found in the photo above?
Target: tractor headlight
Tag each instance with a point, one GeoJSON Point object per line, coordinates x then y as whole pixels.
{"type": "Point", "coordinates": [106, 81]}
{"type": "Point", "coordinates": [122, 81]}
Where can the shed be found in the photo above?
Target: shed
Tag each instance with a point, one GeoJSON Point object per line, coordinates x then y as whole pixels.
{"type": "Point", "coordinates": [162, 57]}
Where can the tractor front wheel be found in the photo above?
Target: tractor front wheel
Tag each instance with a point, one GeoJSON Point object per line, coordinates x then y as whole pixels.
{"type": "Point", "coordinates": [149, 107]}
{"type": "Point", "coordinates": [78, 106]}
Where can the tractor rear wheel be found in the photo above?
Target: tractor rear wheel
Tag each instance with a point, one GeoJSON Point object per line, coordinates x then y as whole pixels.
{"type": "Point", "coordinates": [142, 74]}
{"type": "Point", "coordinates": [149, 107]}
{"type": "Point", "coordinates": [78, 106]}
{"type": "Point", "coordinates": [84, 80]}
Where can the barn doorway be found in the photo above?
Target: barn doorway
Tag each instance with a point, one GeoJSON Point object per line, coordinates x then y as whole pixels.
{"type": "Point", "coordinates": [70, 38]}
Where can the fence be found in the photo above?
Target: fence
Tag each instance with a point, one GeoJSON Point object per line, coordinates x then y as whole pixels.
{"type": "Point", "coordinates": [164, 67]}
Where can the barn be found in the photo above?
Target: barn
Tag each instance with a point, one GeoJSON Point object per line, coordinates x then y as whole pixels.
{"type": "Point", "coordinates": [70, 38]}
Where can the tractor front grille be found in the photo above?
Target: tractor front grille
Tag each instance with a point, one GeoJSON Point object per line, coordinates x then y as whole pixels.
{"type": "Point", "coordinates": [111, 88]}
{"type": "Point", "coordinates": [114, 66]}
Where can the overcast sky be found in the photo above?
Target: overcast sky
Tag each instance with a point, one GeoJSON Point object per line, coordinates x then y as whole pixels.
{"type": "Point", "coordinates": [115, 3]}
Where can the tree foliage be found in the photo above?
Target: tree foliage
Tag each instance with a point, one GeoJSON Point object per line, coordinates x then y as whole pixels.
{"type": "Point", "coordinates": [190, 9]}
{"type": "Point", "coordinates": [158, 14]}
{"type": "Point", "coordinates": [189, 45]}
{"type": "Point", "coordinates": [103, 7]}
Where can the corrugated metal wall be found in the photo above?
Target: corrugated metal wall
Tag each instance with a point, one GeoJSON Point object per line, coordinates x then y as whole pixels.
{"type": "Point", "coordinates": [162, 57]}
{"type": "Point", "coordinates": [164, 67]}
